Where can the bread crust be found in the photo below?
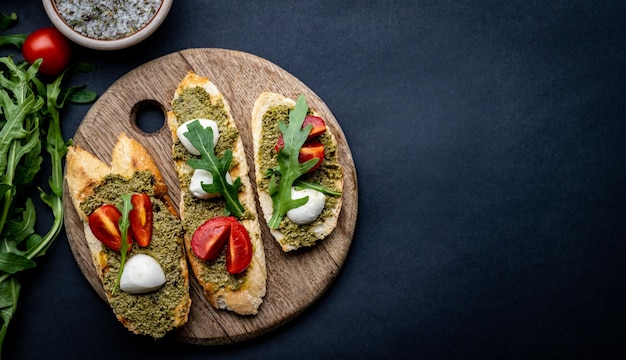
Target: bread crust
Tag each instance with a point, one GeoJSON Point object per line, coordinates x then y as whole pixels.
{"type": "Point", "coordinates": [264, 103]}
{"type": "Point", "coordinates": [247, 298]}
{"type": "Point", "coordinates": [84, 172]}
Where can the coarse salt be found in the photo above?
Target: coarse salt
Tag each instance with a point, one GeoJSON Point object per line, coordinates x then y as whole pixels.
{"type": "Point", "coordinates": [107, 19]}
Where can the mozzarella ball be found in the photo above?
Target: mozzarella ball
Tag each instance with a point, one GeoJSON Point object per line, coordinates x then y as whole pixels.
{"type": "Point", "coordinates": [205, 123]}
{"type": "Point", "coordinates": [142, 274]}
{"type": "Point", "coordinates": [308, 212]}
{"type": "Point", "coordinates": [202, 176]}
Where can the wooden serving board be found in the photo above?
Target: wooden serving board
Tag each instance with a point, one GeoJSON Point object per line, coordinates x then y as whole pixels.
{"type": "Point", "coordinates": [294, 280]}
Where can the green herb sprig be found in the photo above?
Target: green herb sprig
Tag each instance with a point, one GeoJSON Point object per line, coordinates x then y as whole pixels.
{"type": "Point", "coordinates": [29, 124]}
{"type": "Point", "coordinates": [299, 185]}
{"type": "Point", "coordinates": [7, 21]}
{"type": "Point", "coordinates": [125, 207]}
{"type": "Point", "coordinates": [202, 139]}
{"type": "Point", "coordinates": [289, 168]}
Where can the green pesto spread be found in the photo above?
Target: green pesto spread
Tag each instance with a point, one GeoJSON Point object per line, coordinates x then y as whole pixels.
{"type": "Point", "coordinates": [298, 235]}
{"type": "Point", "coordinates": [113, 186]}
{"type": "Point", "coordinates": [194, 103]}
{"type": "Point", "coordinates": [152, 312]}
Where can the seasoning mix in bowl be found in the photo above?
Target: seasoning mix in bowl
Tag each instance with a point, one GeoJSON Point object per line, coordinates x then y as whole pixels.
{"type": "Point", "coordinates": [107, 24]}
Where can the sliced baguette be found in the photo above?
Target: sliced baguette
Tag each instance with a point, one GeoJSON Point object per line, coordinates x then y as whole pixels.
{"type": "Point", "coordinates": [158, 312]}
{"type": "Point", "coordinates": [265, 133]}
{"type": "Point", "coordinates": [246, 297]}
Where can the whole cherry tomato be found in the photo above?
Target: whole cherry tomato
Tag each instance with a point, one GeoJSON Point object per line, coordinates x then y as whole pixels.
{"type": "Point", "coordinates": [51, 46]}
{"type": "Point", "coordinates": [140, 218]}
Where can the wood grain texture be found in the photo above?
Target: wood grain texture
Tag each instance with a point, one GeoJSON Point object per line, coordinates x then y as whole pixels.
{"type": "Point", "coordinates": [295, 280]}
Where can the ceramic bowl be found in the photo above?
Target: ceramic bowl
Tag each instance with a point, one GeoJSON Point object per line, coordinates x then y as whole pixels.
{"type": "Point", "coordinates": [106, 44]}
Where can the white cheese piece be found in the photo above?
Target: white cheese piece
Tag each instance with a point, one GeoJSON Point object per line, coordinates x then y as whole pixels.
{"type": "Point", "coordinates": [202, 176]}
{"type": "Point", "coordinates": [308, 212]}
{"type": "Point", "coordinates": [180, 132]}
{"type": "Point", "coordinates": [142, 274]}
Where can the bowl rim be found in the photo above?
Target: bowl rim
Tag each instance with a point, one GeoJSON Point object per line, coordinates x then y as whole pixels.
{"type": "Point", "coordinates": [113, 44]}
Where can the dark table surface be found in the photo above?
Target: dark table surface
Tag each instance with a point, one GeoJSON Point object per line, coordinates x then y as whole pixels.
{"type": "Point", "coordinates": [489, 139]}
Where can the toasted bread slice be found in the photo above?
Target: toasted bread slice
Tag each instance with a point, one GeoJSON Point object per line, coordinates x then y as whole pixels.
{"type": "Point", "coordinates": [155, 313]}
{"type": "Point", "coordinates": [197, 97]}
{"type": "Point", "coordinates": [268, 110]}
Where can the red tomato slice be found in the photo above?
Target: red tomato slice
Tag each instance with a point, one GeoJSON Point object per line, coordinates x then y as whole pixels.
{"type": "Point", "coordinates": [209, 239]}
{"type": "Point", "coordinates": [140, 218]}
{"type": "Point", "coordinates": [238, 249]}
{"type": "Point", "coordinates": [319, 127]}
{"type": "Point", "coordinates": [312, 150]}
{"type": "Point", "coordinates": [104, 224]}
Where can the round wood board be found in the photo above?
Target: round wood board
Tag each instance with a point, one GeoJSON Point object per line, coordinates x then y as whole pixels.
{"type": "Point", "coordinates": [294, 280]}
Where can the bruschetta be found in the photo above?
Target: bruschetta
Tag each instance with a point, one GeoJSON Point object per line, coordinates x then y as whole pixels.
{"type": "Point", "coordinates": [217, 208]}
{"type": "Point", "coordinates": [298, 175]}
{"type": "Point", "coordinates": [148, 287]}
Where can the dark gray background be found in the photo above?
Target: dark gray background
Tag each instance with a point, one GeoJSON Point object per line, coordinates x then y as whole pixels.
{"type": "Point", "coordinates": [489, 142]}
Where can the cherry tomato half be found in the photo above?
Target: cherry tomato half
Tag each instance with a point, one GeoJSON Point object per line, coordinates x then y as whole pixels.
{"type": "Point", "coordinates": [51, 46]}
{"type": "Point", "coordinates": [318, 128]}
{"type": "Point", "coordinates": [104, 223]}
{"type": "Point", "coordinates": [140, 218]}
{"type": "Point", "coordinates": [312, 150]}
{"type": "Point", "coordinates": [238, 249]}
{"type": "Point", "coordinates": [210, 239]}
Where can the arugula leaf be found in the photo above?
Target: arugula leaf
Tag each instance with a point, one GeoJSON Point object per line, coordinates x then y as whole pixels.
{"type": "Point", "coordinates": [7, 21]}
{"type": "Point", "coordinates": [202, 139]}
{"type": "Point", "coordinates": [12, 263]}
{"type": "Point", "coordinates": [125, 207]}
{"type": "Point", "coordinates": [9, 293]}
{"type": "Point", "coordinates": [80, 95]}
{"type": "Point", "coordinates": [289, 167]}
{"type": "Point", "coordinates": [81, 67]}
{"type": "Point", "coordinates": [274, 176]}
{"type": "Point", "coordinates": [299, 184]}
{"type": "Point", "coordinates": [18, 229]}
{"type": "Point", "coordinates": [29, 123]}
{"type": "Point", "coordinates": [16, 40]}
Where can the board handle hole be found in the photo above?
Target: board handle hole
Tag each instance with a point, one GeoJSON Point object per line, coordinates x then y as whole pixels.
{"type": "Point", "coordinates": [148, 116]}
